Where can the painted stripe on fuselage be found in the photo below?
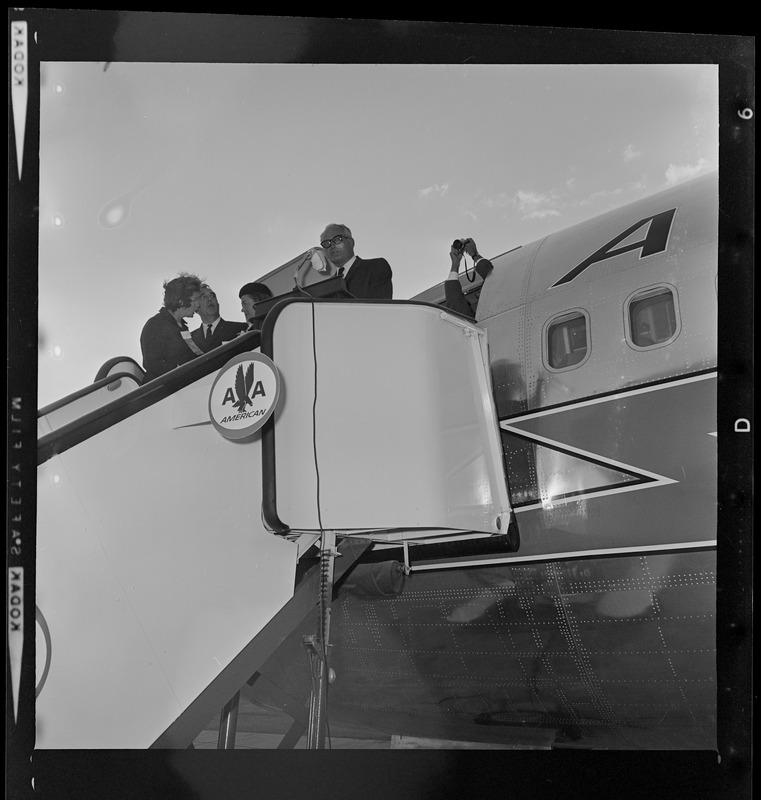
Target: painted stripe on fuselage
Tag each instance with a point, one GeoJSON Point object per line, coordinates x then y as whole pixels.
{"type": "Point", "coordinates": [707, 544]}
{"type": "Point", "coordinates": [667, 383]}
{"type": "Point", "coordinates": [645, 478]}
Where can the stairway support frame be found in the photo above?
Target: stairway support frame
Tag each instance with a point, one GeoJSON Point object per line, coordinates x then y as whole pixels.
{"type": "Point", "coordinates": [181, 733]}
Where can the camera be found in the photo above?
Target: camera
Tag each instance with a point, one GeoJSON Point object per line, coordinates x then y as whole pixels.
{"type": "Point", "coordinates": [459, 244]}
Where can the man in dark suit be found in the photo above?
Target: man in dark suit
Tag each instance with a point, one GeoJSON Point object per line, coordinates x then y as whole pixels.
{"type": "Point", "coordinates": [455, 298]}
{"type": "Point", "coordinates": [364, 278]}
{"type": "Point", "coordinates": [214, 330]}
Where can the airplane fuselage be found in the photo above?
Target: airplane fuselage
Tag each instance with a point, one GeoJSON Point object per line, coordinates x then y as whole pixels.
{"type": "Point", "coordinates": [616, 450]}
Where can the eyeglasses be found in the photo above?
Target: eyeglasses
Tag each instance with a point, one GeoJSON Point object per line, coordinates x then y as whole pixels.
{"type": "Point", "coordinates": [335, 240]}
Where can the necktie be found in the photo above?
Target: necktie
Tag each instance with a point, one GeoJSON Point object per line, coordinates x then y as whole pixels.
{"type": "Point", "coordinates": [208, 332]}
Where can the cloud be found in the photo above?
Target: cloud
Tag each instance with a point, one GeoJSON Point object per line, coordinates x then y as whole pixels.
{"type": "Point", "coordinates": [603, 194]}
{"type": "Point", "coordinates": [534, 205]}
{"type": "Point", "coordinates": [435, 189]}
{"type": "Point", "coordinates": [677, 173]}
{"type": "Point", "coordinates": [496, 200]}
{"type": "Point", "coordinates": [630, 153]}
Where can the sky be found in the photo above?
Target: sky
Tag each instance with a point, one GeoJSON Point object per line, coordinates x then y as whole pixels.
{"type": "Point", "coordinates": [228, 171]}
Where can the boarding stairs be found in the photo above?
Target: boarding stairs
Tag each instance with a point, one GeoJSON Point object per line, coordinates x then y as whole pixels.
{"type": "Point", "coordinates": [168, 552]}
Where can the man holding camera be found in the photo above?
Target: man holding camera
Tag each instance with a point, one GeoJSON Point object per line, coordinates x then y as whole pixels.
{"type": "Point", "coordinates": [455, 298]}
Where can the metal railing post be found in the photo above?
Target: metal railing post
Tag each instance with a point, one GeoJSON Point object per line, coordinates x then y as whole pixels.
{"type": "Point", "coordinates": [228, 722]}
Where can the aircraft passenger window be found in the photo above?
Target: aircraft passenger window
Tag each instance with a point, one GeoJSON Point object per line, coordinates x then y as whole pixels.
{"type": "Point", "coordinates": [652, 318]}
{"type": "Point", "coordinates": [567, 341]}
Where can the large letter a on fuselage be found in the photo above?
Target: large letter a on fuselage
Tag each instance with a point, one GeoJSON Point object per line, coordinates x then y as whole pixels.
{"type": "Point", "coordinates": [655, 241]}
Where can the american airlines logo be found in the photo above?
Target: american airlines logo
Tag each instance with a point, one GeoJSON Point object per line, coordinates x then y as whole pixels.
{"type": "Point", "coordinates": [244, 395]}
{"type": "Point", "coordinates": [244, 389]}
